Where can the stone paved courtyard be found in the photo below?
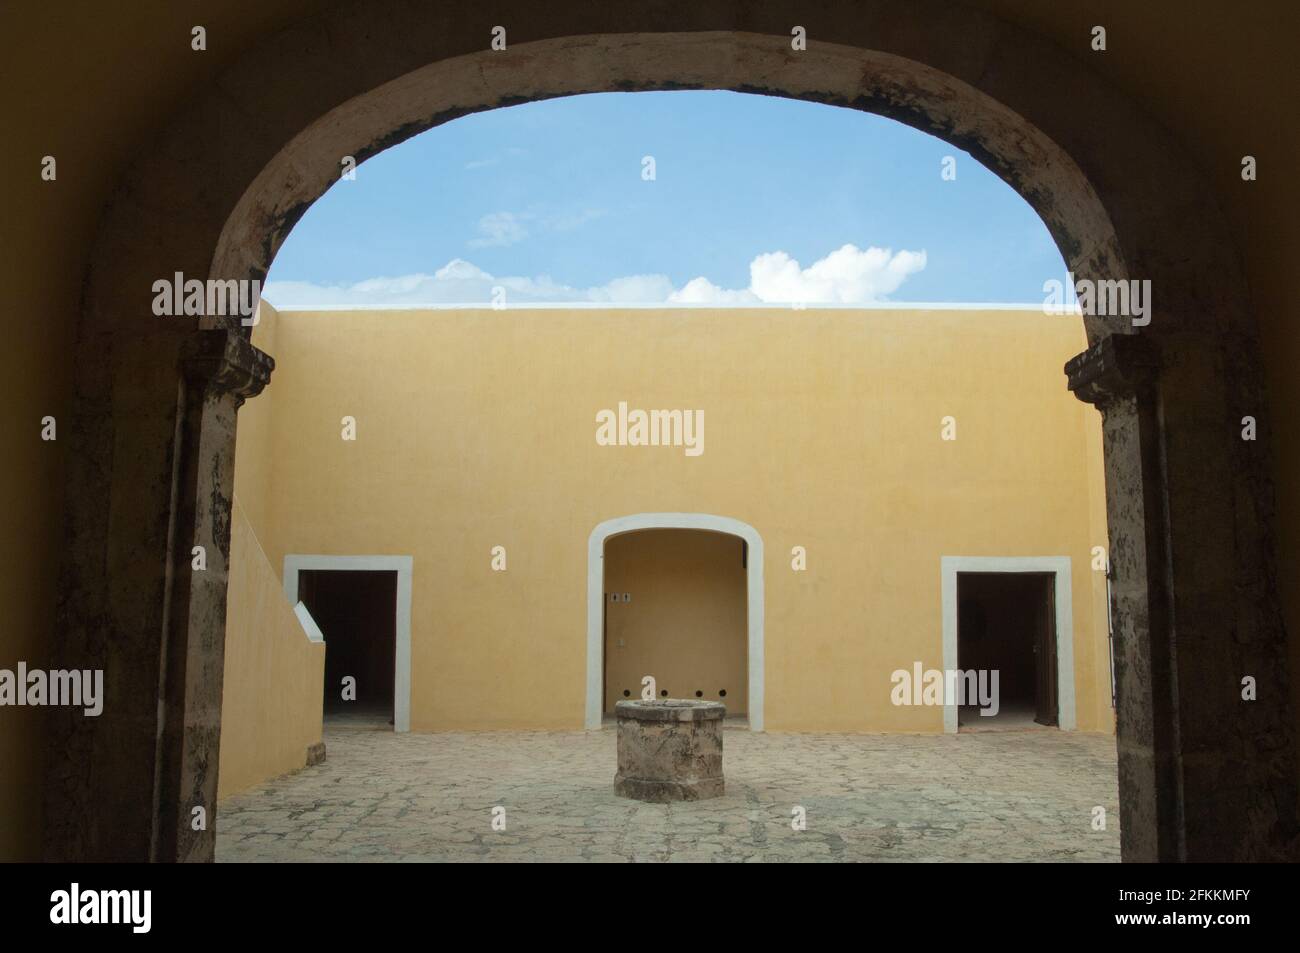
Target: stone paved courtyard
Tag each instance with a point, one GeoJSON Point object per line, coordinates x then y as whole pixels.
{"type": "Point", "coordinates": [1013, 796]}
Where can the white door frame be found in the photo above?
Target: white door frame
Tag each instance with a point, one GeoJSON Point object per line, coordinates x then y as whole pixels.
{"type": "Point", "coordinates": [1059, 566]}
{"type": "Point", "coordinates": [596, 599]}
{"type": "Point", "coordinates": [295, 563]}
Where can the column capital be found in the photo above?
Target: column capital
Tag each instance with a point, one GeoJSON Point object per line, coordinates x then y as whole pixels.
{"type": "Point", "coordinates": [1116, 367]}
{"type": "Point", "coordinates": [223, 360]}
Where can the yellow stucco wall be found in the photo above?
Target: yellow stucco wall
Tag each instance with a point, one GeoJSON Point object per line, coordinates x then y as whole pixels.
{"type": "Point", "coordinates": [272, 693]}
{"type": "Point", "coordinates": [476, 429]}
{"type": "Point", "coordinates": [274, 675]}
{"type": "Point", "coordinates": [255, 454]}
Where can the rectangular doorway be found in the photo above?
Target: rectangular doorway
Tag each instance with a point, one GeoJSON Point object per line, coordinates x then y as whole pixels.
{"type": "Point", "coordinates": [356, 611]}
{"type": "Point", "coordinates": [362, 605]}
{"type": "Point", "coordinates": [1060, 610]}
{"type": "Point", "coordinates": [1006, 622]}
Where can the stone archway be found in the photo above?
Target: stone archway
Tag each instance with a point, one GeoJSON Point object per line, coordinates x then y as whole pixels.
{"type": "Point", "coordinates": [1202, 776]}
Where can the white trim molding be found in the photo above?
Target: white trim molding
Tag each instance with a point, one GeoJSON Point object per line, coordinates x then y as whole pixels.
{"type": "Point", "coordinates": [596, 590]}
{"type": "Point", "coordinates": [294, 564]}
{"type": "Point", "coordinates": [1058, 566]}
{"type": "Point", "coordinates": [309, 626]}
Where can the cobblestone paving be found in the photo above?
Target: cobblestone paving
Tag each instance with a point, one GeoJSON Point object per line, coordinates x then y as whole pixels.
{"type": "Point", "coordinates": [1011, 796]}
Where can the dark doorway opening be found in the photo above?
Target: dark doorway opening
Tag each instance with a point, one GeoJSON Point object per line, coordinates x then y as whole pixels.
{"type": "Point", "coordinates": [1006, 622]}
{"type": "Point", "coordinates": [356, 611]}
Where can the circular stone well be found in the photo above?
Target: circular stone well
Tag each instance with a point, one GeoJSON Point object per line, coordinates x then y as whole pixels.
{"type": "Point", "coordinates": [669, 750]}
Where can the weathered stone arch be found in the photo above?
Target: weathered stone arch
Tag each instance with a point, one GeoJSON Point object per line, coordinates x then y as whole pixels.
{"type": "Point", "coordinates": [1202, 775]}
{"type": "Point", "coordinates": [867, 80]}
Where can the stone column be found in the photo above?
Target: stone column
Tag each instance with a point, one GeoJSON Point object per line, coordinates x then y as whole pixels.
{"type": "Point", "coordinates": [1204, 773]}
{"type": "Point", "coordinates": [151, 441]}
{"type": "Point", "coordinates": [1118, 377]}
{"type": "Point", "coordinates": [219, 370]}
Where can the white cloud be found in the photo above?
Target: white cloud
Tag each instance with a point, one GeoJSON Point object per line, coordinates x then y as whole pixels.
{"type": "Point", "coordinates": [567, 221]}
{"type": "Point", "coordinates": [502, 229]}
{"type": "Point", "coordinates": [499, 229]}
{"type": "Point", "coordinates": [457, 282]}
{"type": "Point", "coordinates": [633, 289]}
{"type": "Point", "coordinates": [702, 291]}
{"type": "Point", "coordinates": [848, 275]}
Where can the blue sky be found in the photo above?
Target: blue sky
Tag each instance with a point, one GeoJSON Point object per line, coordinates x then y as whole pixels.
{"type": "Point", "coordinates": [754, 200]}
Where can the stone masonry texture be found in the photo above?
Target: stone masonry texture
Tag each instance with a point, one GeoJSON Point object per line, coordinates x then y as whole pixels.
{"type": "Point", "coordinates": [1005, 796]}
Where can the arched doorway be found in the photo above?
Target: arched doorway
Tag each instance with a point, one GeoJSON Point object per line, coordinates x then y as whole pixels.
{"type": "Point", "coordinates": [596, 608]}
{"type": "Point", "coordinates": [218, 193]}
